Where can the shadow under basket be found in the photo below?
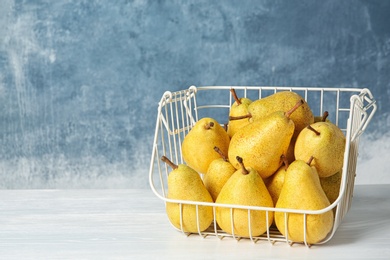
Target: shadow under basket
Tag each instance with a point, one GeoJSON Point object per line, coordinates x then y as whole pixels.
{"type": "Point", "coordinates": [351, 109]}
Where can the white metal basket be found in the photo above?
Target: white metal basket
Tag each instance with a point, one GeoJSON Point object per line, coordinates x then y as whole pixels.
{"type": "Point", "coordinates": [349, 108]}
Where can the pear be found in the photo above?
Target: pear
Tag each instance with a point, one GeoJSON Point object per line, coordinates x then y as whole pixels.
{"type": "Point", "coordinates": [331, 186]}
{"type": "Point", "coordinates": [219, 171]}
{"type": "Point", "coordinates": [302, 190]}
{"type": "Point", "coordinates": [326, 142]}
{"type": "Point", "coordinates": [262, 143]}
{"type": "Point", "coordinates": [283, 100]}
{"type": "Point", "coordinates": [238, 114]}
{"type": "Point", "coordinates": [198, 145]}
{"type": "Point", "coordinates": [244, 187]}
{"type": "Point", "coordinates": [323, 118]}
{"type": "Point", "coordinates": [274, 183]}
{"type": "Point", "coordinates": [184, 183]}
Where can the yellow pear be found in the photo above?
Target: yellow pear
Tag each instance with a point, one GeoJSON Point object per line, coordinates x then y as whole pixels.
{"type": "Point", "coordinates": [218, 173]}
{"type": "Point", "coordinates": [198, 145]}
{"type": "Point", "coordinates": [302, 190]}
{"type": "Point", "coordinates": [184, 183]}
{"type": "Point", "coordinates": [262, 143]}
{"type": "Point", "coordinates": [238, 114]}
{"type": "Point", "coordinates": [244, 187]}
{"type": "Point", "coordinates": [274, 183]}
{"type": "Point", "coordinates": [331, 186]}
{"type": "Point", "coordinates": [326, 142]}
{"type": "Point", "coordinates": [323, 118]}
{"type": "Point", "coordinates": [283, 100]}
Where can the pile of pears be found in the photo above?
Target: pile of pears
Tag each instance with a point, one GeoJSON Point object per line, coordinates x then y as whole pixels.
{"type": "Point", "coordinates": [272, 152]}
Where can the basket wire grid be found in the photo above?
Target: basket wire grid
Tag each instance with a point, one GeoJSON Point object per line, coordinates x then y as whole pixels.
{"type": "Point", "coordinates": [349, 108]}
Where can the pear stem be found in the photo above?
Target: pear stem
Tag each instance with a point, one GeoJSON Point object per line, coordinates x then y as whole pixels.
{"type": "Point", "coordinates": [285, 161]}
{"type": "Point", "coordinates": [325, 116]}
{"type": "Point", "coordinates": [233, 91]}
{"type": "Point", "coordinates": [298, 104]}
{"type": "Point", "coordinates": [310, 160]}
{"type": "Point", "coordinates": [240, 117]}
{"type": "Point", "coordinates": [225, 126]}
{"type": "Point", "coordinates": [312, 129]}
{"type": "Point", "coordinates": [169, 162]}
{"type": "Point", "coordinates": [209, 125]}
{"type": "Point", "coordinates": [221, 153]}
{"type": "Point", "coordinates": [240, 161]}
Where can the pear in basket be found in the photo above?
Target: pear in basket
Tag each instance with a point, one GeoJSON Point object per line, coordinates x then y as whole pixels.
{"type": "Point", "coordinates": [184, 183]}
{"type": "Point", "coordinates": [238, 114]}
{"type": "Point", "coordinates": [331, 186]}
{"type": "Point", "coordinates": [283, 100]}
{"type": "Point", "coordinates": [323, 118]}
{"type": "Point", "coordinates": [274, 183]}
{"type": "Point", "coordinates": [219, 171]}
{"type": "Point", "coordinates": [302, 190]}
{"type": "Point", "coordinates": [326, 142]}
{"type": "Point", "coordinates": [245, 187]}
{"type": "Point", "coordinates": [198, 145]}
{"type": "Point", "coordinates": [262, 143]}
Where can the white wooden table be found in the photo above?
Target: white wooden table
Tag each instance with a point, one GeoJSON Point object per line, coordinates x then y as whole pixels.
{"type": "Point", "coordinates": [131, 224]}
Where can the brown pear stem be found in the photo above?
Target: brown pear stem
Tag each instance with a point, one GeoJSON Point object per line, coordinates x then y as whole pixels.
{"type": "Point", "coordinates": [221, 153]}
{"type": "Point", "coordinates": [312, 129]}
{"type": "Point", "coordinates": [209, 125]}
{"type": "Point", "coordinates": [225, 126]}
{"type": "Point", "coordinates": [240, 117]}
{"type": "Point", "coordinates": [325, 116]}
{"type": "Point", "coordinates": [298, 104]}
{"type": "Point", "coordinates": [240, 161]}
{"type": "Point", "coordinates": [285, 161]}
{"type": "Point", "coordinates": [233, 91]}
{"type": "Point", "coordinates": [169, 162]}
{"type": "Point", "coordinates": [310, 160]}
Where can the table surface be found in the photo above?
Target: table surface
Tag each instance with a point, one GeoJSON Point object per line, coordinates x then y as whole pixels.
{"type": "Point", "coordinates": [119, 224]}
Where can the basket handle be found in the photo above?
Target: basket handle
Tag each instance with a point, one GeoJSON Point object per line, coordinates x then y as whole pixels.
{"type": "Point", "coordinates": [186, 103]}
{"type": "Point", "coordinates": [366, 103]}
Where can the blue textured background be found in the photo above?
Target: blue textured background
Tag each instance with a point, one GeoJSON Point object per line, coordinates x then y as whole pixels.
{"type": "Point", "coordinates": [80, 80]}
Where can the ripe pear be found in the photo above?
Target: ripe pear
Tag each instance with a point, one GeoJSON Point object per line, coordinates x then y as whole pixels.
{"type": "Point", "coordinates": [219, 171]}
{"type": "Point", "coordinates": [262, 143]}
{"type": "Point", "coordinates": [326, 142]}
{"type": "Point", "coordinates": [238, 114]}
{"type": "Point", "coordinates": [323, 118]}
{"type": "Point", "coordinates": [184, 183]}
{"type": "Point", "coordinates": [331, 186]}
{"type": "Point", "coordinates": [198, 145]}
{"type": "Point", "coordinates": [274, 183]}
{"type": "Point", "coordinates": [302, 190]}
{"type": "Point", "coordinates": [283, 100]}
{"type": "Point", "coordinates": [244, 187]}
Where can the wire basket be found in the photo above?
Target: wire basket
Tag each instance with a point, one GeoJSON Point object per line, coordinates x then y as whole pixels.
{"type": "Point", "coordinates": [351, 109]}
